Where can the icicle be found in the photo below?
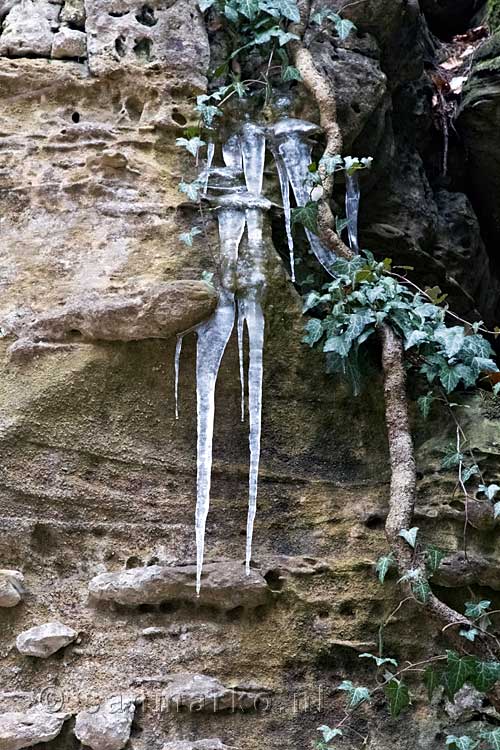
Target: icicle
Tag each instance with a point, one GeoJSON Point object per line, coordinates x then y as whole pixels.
{"type": "Point", "coordinates": [296, 154]}
{"type": "Point", "coordinates": [241, 322]}
{"type": "Point", "coordinates": [285, 196]}
{"type": "Point", "coordinates": [231, 153]}
{"type": "Point", "coordinates": [255, 325]}
{"type": "Point", "coordinates": [352, 209]}
{"type": "Point", "coordinates": [253, 147]}
{"type": "Point", "coordinates": [178, 349]}
{"type": "Point", "coordinates": [212, 341]}
{"type": "Point", "coordinates": [210, 158]}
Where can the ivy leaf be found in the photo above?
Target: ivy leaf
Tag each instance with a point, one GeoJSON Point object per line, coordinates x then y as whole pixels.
{"type": "Point", "coordinates": [357, 695]}
{"type": "Point", "coordinates": [398, 695]}
{"type": "Point", "coordinates": [492, 738]}
{"type": "Point", "coordinates": [379, 660]}
{"type": "Point", "coordinates": [409, 535]}
{"type": "Point", "coordinates": [431, 681]}
{"type": "Point", "coordinates": [288, 9]}
{"type": "Point", "coordinates": [307, 216]}
{"type": "Point", "coordinates": [314, 331]}
{"type": "Point", "coordinates": [331, 164]}
{"type": "Point", "coordinates": [204, 5]}
{"type": "Point", "coordinates": [192, 145]}
{"type": "Point", "coordinates": [341, 345]}
{"type": "Point", "coordinates": [484, 674]}
{"type": "Point", "coordinates": [383, 565]}
{"type": "Point", "coordinates": [474, 610]}
{"type": "Point", "coordinates": [421, 589]}
{"type": "Point", "coordinates": [496, 510]}
{"type": "Point", "coordinates": [496, 389]}
{"type": "Point", "coordinates": [191, 189]}
{"type": "Point", "coordinates": [456, 673]}
{"type": "Point", "coordinates": [415, 338]}
{"type": "Point", "coordinates": [449, 377]}
{"type": "Point", "coordinates": [451, 339]}
{"type": "Point", "coordinates": [470, 634]}
{"type": "Point", "coordinates": [231, 14]}
{"type": "Point", "coordinates": [433, 558]}
{"type": "Point", "coordinates": [436, 295]}
{"type": "Point", "coordinates": [188, 237]}
{"type": "Point", "coordinates": [248, 8]}
{"type": "Point", "coordinates": [461, 743]}
{"type": "Point", "coordinates": [451, 460]}
{"type": "Point", "coordinates": [470, 471]}
{"type": "Point", "coordinates": [489, 490]}
{"type": "Point", "coordinates": [328, 733]}
{"type": "Point", "coordinates": [425, 403]}
{"type": "Point", "coordinates": [290, 74]}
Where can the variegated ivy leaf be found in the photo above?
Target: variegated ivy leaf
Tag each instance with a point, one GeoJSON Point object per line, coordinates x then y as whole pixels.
{"type": "Point", "coordinates": [192, 145]}
{"type": "Point", "coordinates": [496, 510]}
{"type": "Point", "coordinates": [409, 535]}
{"type": "Point", "coordinates": [476, 609]}
{"type": "Point", "coordinates": [383, 565]}
{"type": "Point", "coordinates": [461, 743]}
{"type": "Point", "coordinates": [470, 634]}
{"type": "Point", "coordinates": [357, 694]}
{"type": "Point", "coordinates": [328, 733]}
{"type": "Point", "coordinates": [188, 237]}
{"type": "Point", "coordinates": [490, 490]}
{"type": "Point", "coordinates": [379, 661]}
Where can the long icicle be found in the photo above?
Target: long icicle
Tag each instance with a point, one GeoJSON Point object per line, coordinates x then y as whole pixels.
{"type": "Point", "coordinates": [352, 196]}
{"type": "Point", "coordinates": [285, 197]}
{"type": "Point", "coordinates": [240, 329]}
{"type": "Point", "coordinates": [212, 341]}
{"type": "Point", "coordinates": [210, 158]}
{"type": "Point", "coordinates": [178, 349]}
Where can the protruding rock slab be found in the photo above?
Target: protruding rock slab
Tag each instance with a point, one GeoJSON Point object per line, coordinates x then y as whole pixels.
{"type": "Point", "coordinates": [203, 693]}
{"type": "Point", "coordinates": [11, 587]}
{"type": "Point", "coordinates": [211, 744]}
{"type": "Point", "coordinates": [225, 585]}
{"type": "Point", "coordinates": [460, 570]}
{"type": "Point", "coordinates": [25, 729]}
{"type": "Point", "coordinates": [69, 43]}
{"type": "Point", "coordinates": [44, 640]}
{"type": "Point", "coordinates": [108, 726]}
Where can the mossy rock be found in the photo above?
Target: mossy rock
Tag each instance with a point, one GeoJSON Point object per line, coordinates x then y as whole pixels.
{"type": "Point", "coordinates": [494, 14]}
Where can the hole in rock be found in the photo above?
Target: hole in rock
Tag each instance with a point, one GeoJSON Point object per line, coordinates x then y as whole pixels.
{"type": "Point", "coordinates": [146, 16]}
{"type": "Point", "coordinates": [419, 475]}
{"type": "Point", "coordinates": [134, 107]}
{"type": "Point", "coordinates": [167, 607]}
{"type": "Point", "coordinates": [75, 117]}
{"type": "Point", "coordinates": [236, 613]}
{"type": "Point", "coordinates": [356, 108]}
{"type": "Point", "coordinates": [347, 608]}
{"type": "Point", "coordinates": [42, 539]}
{"type": "Point", "coordinates": [120, 45]}
{"type": "Point", "coordinates": [374, 522]}
{"type": "Point", "coordinates": [323, 614]}
{"type": "Point", "coordinates": [178, 118]}
{"type": "Point", "coordinates": [143, 49]}
{"type": "Point", "coordinates": [274, 580]}
{"type": "Point", "coordinates": [153, 561]}
{"type": "Point", "coordinates": [146, 609]}
{"type": "Point", "coordinates": [117, 13]}
{"type": "Point", "coordinates": [99, 531]}
{"type": "Point", "coordinates": [74, 334]}
{"type": "Point", "coordinates": [133, 562]}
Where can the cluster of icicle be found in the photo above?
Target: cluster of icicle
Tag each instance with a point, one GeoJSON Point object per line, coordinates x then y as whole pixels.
{"type": "Point", "coordinates": [235, 190]}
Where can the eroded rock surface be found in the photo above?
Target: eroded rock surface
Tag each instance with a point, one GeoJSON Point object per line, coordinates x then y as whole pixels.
{"type": "Point", "coordinates": [44, 640]}
{"type": "Point", "coordinates": [11, 587]}
{"type": "Point", "coordinates": [18, 730]}
{"type": "Point", "coordinates": [108, 726]}
{"type": "Point", "coordinates": [198, 692]}
{"type": "Point", "coordinates": [468, 570]}
{"type": "Point", "coordinates": [212, 744]}
{"type": "Point", "coordinates": [225, 585]}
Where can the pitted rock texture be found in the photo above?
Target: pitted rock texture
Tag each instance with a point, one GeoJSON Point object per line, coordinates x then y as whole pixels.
{"type": "Point", "coordinates": [156, 311]}
{"type": "Point", "coordinates": [225, 586]}
{"type": "Point", "coordinates": [44, 640]}
{"type": "Point", "coordinates": [198, 692]}
{"type": "Point", "coordinates": [107, 726]}
{"type": "Point", "coordinates": [25, 729]}
{"type": "Point", "coordinates": [11, 587]}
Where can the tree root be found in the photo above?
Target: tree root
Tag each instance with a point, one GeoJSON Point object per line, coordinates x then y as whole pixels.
{"type": "Point", "coordinates": [401, 451]}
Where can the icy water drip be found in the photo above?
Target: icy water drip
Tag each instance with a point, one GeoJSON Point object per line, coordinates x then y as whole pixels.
{"type": "Point", "coordinates": [178, 349]}
{"type": "Point", "coordinates": [352, 210]}
{"type": "Point", "coordinates": [285, 196]}
{"type": "Point", "coordinates": [253, 149]}
{"type": "Point", "coordinates": [212, 341]}
{"type": "Point", "coordinates": [241, 358]}
{"type": "Point", "coordinates": [295, 150]}
{"type": "Point", "coordinates": [210, 158]}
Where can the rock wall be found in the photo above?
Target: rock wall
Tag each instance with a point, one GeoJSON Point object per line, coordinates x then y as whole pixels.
{"type": "Point", "coordinates": [97, 478]}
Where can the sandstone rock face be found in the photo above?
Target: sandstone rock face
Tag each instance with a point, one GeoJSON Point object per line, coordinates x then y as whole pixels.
{"type": "Point", "coordinates": [11, 587]}
{"type": "Point", "coordinates": [69, 43]}
{"type": "Point", "coordinates": [108, 726]}
{"type": "Point", "coordinates": [225, 586]}
{"type": "Point", "coordinates": [198, 692]}
{"type": "Point", "coordinates": [28, 29]}
{"type": "Point", "coordinates": [44, 640]}
{"type": "Point", "coordinates": [18, 730]}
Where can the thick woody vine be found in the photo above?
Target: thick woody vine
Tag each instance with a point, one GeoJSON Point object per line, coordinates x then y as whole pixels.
{"type": "Point", "coordinates": [369, 298]}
